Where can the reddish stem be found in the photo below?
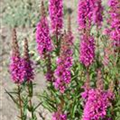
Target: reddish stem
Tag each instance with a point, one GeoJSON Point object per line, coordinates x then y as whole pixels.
{"type": "Point", "coordinates": [20, 102]}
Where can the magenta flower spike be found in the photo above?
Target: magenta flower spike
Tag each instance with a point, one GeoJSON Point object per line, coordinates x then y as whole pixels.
{"type": "Point", "coordinates": [16, 61]}
{"type": "Point", "coordinates": [64, 63]}
{"type": "Point", "coordinates": [84, 13]}
{"type": "Point", "coordinates": [28, 73]}
{"type": "Point", "coordinates": [89, 12]}
{"type": "Point", "coordinates": [87, 50]}
{"type": "Point", "coordinates": [97, 13]}
{"type": "Point", "coordinates": [97, 100]}
{"type": "Point", "coordinates": [44, 43]}
{"type": "Point", "coordinates": [114, 21]}
{"type": "Point", "coordinates": [56, 16]}
{"type": "Point", "coordinates": [96, 105]}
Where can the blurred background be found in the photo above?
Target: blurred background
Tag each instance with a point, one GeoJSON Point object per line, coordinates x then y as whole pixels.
{"type": "Point", "coordinates": [23, 15]}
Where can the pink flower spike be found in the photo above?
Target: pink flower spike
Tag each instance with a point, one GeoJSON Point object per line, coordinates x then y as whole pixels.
{"type": "Point", "coordinates": [56, 15]}
{"type": "Point", "coordinates": [44, 42]}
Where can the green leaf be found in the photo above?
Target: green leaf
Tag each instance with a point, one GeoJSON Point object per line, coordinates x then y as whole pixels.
{"type": "Point", "coordinates": [10, 95]}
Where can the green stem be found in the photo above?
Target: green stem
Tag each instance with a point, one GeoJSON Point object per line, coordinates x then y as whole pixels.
{"type": "Point", "coordinates": [30, 95]}
{"type": "Point", "coordinates": [20, 102]}
{"type": "Point", "coordinates": [32, 113]}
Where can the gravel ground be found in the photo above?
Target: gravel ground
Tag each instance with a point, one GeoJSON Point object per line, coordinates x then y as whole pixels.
{"type": "Point", "coordinates": [7, 109]}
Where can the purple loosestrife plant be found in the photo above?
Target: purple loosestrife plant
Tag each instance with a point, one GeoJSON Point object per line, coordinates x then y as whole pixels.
{"type": "Point", "coordinates": [87, 50]}
{"type": "Point", "coordinates": [72, 92]}
{"type": "Point", "coordinates": [97, 13]}
{"type": "Point", "coordinates": [56, 15]}
{"type": "Point", "coordinates": [22, 74]}
{"type": "Point", "coordinates": [97, 101]}
{"type": "Point", "coordinates": [16, 68]}
{"type": "Point", "coordinates": [96, 105]}
{"type": "Point", "coordinates": [44, 43]}
{"type": "Point", "coordinates": [27, 64]}
{"type": "Point", "coordinates": [28, 76]}
{"type": "Point", "coordinates": [89, 11]}
{"type": "Point", "coordinates": [64, 63]}
{"type": "Point", "coordinates": [84, 13]}
{"type": "Point", "coordinates": [114, 21]}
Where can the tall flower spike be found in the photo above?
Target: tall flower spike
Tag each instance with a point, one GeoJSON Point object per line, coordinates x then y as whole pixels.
{"type": "Point", "coordinates": [44, 43]}
{"type": "Point", "coordinates": [28, 73]}
{"type": "Point", "coordinates": [96, 105]}
{"type": "Point", "coordinates": [84, 13]}
{"type": "Point", "coordinates": [56, 15]}
{"type": "Point", "coordinates": [97, 101]}
{"type": "Point", "coordinates": [91, 11]}
{"type": "Point", "coordinates": [64, 63]}
{"type": "Point", "coordinates": [15, 64]}
{"type": "Point", "coordinates": [97, 13]}
{"type": "Point", "coordinates": [15, 46]}
{"type": "Point", "coordinates": [87, 50]}
{"type": "Point", "coordinates": [114, 21]}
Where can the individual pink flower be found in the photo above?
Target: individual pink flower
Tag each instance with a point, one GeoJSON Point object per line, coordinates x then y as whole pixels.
{"type": "Point", "coordinates": [56, 15]}
{"type": "Point", "coordinates": [87, 50]}
{"type": "Point", "coordinates": [44, 43]}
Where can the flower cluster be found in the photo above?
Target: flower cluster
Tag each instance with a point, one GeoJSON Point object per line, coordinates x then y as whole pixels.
{"type": "Point", "coordinates": [96, 104]}
{"type": "Point", "coordinates": [114, 22]}
{"type": "Point", "coordinates": [28, 73]}
{"type": "Point", "coordinates": [89, 11]}
{"type": "Point", "coordinates": [57, 116]}
{"type": "Point", "coordinates": [87, 50]}
{"type": "Point", "coordinates": [64, 63]}
{"type": "Point", "coordinates": [56, 15]}
{"type": "Point", "coordinates": [20, 68]}
{"type": "Point", "coordinates": [84, 13]}
{"type": "Point", "coordinates": [16, 61]}
{"type": "Point", "coordinates": [16, 69]}
{"type": "Point", "coordinates": [44, 43]}
{"type": "Point", "coordinates": [97, 100]}
{"type": "Point", "coordinates": [97, 12]}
